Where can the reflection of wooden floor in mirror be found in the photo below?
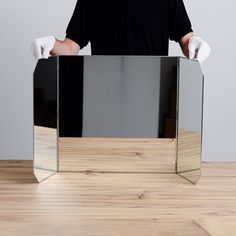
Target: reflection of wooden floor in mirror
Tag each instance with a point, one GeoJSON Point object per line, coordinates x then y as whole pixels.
{"type": "Point", "coordinates": [117, 155]}
{"type": "Point", "coordinates": [104, 154]}
{"type": "Point", "coordinates": [189, 151]}
{"type": "Point", "coordinates": [45, 145]}
{"type": "Point", "coordinates": [192, 176]}
{"type": "Point", "coordinates": [120, 204]}
{"type": "Point", "coordinates": [42, 174]}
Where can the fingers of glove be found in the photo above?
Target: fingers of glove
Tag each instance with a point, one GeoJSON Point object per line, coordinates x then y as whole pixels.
{"type": "Point", "coordinates": [33, 50]}
{"type": "Point", "coordinates": [36, 49]}
{"type": "Point", "coordinates": [48, 44]}
{"type": "Point", "coordinates": [203, 52]}
{"type": "Point", "coordinates": [46, 52]}
{"type": "Point", "coordinates": [193, 46]}
{"type": "Point", "coordinates": [41, 47]}
{"type": "Point", "coordinates": [192, 50]}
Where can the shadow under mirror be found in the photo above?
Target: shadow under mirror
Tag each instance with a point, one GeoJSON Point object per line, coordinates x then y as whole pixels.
{"type": "Point", "coordinates": [45, 120]}
{"type": "Point", "coordinates": [189, 145]}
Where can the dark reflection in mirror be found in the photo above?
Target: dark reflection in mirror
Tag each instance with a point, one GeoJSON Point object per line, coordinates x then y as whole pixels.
{"type": "Point", "coordinates": [132, 97]}
{"type": "Point", "coordinates": [168, 91]}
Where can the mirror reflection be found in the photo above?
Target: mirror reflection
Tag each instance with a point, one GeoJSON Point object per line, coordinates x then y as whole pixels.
{"type": "Point", "coordinates": [45, 121]}
{"type": "Point", "coordinates": [190, 120]}
{"type": "Point", "coordinates": [115, 96]}
{"type": "Point", "coordinates": [126, 105]}
{"type": "Point", "coordinates": [118, 114]}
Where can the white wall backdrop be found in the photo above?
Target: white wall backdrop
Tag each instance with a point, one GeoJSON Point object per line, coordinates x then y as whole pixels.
{"type": "Point", "coordinates": [22, 21]}
{"type": "Point", "coordinates": [215, 22]}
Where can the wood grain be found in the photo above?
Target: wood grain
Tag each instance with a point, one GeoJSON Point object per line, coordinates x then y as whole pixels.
{"type": "Point", "coordinates": [117, 204]}
{"type": "Point", "coordinates": [45, 148]}
{"type": "Point", "coordinates": [219, 169]}
{"type": "Point", "coordinates": [17, 171]}
{"type": "Point", "coordinates": [219, 226]}
{"type": "Point", "coordinates": [189, 151]}
{"type": "Point", "coordinates": [117, 155]}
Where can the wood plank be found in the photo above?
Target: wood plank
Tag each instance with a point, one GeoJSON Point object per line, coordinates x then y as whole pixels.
{"type": "Point", "coordinates": [219, 169]}
{"type": "Point", "coordinates": [219, 226]}
{"type": "Point", "coordinates": [117, 204]}
{"type": "Point", "coordinates": [22, 164]}
{"type": "Point", "coordinates": [17, 171]}
{"type": "Point", "coordinates": [119, 227]}
{"type": "Point", "coordinates": [117, 155]}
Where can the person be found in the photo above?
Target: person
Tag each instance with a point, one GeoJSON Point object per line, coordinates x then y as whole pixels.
{"type": "Point", "coordinates": [126, 27]}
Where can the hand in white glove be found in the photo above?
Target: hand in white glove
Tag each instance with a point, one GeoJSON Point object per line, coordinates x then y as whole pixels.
{"type": "Point", "coordinates": [198, 49]}
{"type": "Point", "coordinates": [42, 47]}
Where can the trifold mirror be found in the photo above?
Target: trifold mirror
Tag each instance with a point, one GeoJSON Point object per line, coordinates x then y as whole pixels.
{"type": "Point", "coordinates": [118, 114]}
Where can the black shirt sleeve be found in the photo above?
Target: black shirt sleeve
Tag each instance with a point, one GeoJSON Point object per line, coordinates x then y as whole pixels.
{"type": "Point", "coordinates": [179, 23]}
{"type": "Point", "coordinates": [79, 25]}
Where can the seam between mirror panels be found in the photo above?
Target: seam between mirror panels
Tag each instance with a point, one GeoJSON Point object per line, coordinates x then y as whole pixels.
{"type": "Point", "coordinates": [57, 80]}
{"type": "Point", "coordinates": [159, 104]}
{"type": "Point", "coordinates": [202, 118]}
{"type": "Point", "coordinates": [177, 117]}
{"type": "Point", "coordinates": [33, 125]}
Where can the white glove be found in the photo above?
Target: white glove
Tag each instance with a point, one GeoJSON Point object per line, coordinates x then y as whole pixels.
{"type": "Point", "coordinates": [42, 47]}
{"type": "Point", "coordinates": [198, 49]}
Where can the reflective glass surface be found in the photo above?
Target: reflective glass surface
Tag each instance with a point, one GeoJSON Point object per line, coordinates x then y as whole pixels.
{"type": "Point", "coordinates": [119, 97]}
{"type": "Point", "coordinates": [190, 113]}
{"type": "Point", "coordinates": [107, 96]}
{"type": "Point", "coordinates": [45, 119]}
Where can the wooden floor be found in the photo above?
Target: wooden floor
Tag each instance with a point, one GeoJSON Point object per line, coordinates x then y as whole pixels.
{"type": "Point", "coordinates": [120, 204]}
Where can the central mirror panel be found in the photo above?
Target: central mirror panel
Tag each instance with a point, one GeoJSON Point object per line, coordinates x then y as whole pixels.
{"type": "Point", "coordinates": [118, 97]}
{"type": "Point", "coordinates": [117, 114]}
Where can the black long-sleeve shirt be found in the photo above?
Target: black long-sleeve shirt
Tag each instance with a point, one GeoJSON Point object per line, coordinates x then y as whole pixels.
{"type": "Point", "coordinates": [128, 27]}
